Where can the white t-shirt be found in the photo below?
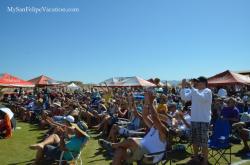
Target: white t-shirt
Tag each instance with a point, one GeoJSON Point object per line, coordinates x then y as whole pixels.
{"type": "Point", "coordinates": [201, 103]}
{"type": "Point", "coordinates": [153, 143]}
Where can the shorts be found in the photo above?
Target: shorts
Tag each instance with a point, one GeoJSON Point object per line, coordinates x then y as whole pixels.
{"type": "Point", "coordinates": [52, 152]}
{"type": "Point", "coordinates": [199, 133]}
{"type": "Point", "coordinates": [136, 154]}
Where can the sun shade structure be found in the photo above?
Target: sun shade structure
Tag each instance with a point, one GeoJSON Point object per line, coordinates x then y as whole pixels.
{"type": "Point", "coordinates": [73, 86]}
{"type": "Point", "coordinates": [44, 81]}
{"type": "Point", "coordinates": [7, 80]}
{"type": "Point", "coordinates": [126, 82]}
{"type": "Point", "coordinates": [228, 78]}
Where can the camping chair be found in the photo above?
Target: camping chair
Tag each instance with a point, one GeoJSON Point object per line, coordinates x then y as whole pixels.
{"type": "Point", "coordinates": [123, 121]}
{"type": "Point", "coordinates": [219, 142]}
{"type": "Point", "coordinates": [157, 158]}
{"type": "Point", "coordinates": [77, 160]}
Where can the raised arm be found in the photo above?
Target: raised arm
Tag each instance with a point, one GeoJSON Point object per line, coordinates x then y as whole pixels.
{"type": "Point", "coordinates": [137, 114]}
{"type": "Point", "coordinates": [145, 112]}
{"type": "Point", "coordinates": [156, 119]}
{"type": "Point", "coordinates": [185, 95]}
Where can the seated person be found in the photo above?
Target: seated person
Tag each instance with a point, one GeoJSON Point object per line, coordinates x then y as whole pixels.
{"type": "Point", "coordinates": [6, 124]}
{"type": "Point", "coordinates": [155, 140]}
{"type": "Point", "coordinates": [54, 145]}
{"type": "Point", "coordinates": [64, 123]}
{"type": "Point", "coordinates": [30, 108]}
{"type": "Point", "coordinates": [162, 107]}
{"type": "Point", "coordinates": [243, 130]}
{"type": "Point", "coordinates": [125, 130]}
{"type": "Point", "coordinates": [169, 118]}
{"type": "Point", "coordinates": [230, 112]}
{"type": "Point", "coordinates": [96, 114]}
{"type": "Point", "coordinates": [109, 119]}
{"type": "Point", "coordinates": [183, 124]}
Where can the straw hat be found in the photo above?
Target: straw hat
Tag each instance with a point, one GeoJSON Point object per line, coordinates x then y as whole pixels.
{"type": "Point", "coordinates": [57, 103]}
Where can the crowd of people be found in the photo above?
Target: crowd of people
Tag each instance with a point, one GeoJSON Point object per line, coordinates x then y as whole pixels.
{"type": "Point", "coordinates": [130, 122]}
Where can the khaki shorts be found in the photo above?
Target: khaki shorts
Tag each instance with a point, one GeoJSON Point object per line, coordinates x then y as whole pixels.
{"type": "Point", "coordinates": [136, 154]}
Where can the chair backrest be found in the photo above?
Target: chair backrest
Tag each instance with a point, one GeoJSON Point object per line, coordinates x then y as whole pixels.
{"type": "Point", "coordinates": [222, 128]}
{"type": "Point", "coordinates": [220, 135]}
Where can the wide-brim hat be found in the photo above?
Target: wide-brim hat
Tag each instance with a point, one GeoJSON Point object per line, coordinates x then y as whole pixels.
{"type": "Point", "coordinates": [81, 127]}
{"type": "Point", "coordinates": [57, 104]}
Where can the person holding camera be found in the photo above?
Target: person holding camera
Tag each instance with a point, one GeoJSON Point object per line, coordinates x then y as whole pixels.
{"type": "Point", "coordinates": [201, 98]}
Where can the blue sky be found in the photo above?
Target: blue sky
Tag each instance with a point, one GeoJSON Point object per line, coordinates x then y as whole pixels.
{"type": "Point", "coordinates": [170, 39]}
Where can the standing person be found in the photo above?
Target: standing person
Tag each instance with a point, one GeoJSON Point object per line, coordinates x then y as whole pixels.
{"type": "Point", "coordinates": [201, 98]}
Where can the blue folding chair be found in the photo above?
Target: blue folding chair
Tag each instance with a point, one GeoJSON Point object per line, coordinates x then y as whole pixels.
{"type": "Point", "coordinates": [219, 142]}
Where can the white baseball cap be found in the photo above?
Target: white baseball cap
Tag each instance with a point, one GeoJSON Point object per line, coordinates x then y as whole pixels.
{"type": "Point", "coordinates": [70, 119]}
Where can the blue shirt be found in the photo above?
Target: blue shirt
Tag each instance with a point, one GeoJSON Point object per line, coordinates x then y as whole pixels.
{"type": "Point", "coordinates": [74, 146]}
{"type": "Point", "coordinates": [229, 112]}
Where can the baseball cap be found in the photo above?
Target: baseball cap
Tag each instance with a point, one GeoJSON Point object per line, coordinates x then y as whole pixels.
{"type": "Point", "coordinates": [69, 118]}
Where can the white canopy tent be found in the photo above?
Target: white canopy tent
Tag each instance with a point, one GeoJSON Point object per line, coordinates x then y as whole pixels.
{"type": "Point", "coordinates": [126, 82]}
{"type": "Point", "coordinates": [137, 82]}
{"type": "Point", "coordinates": [73, 87]}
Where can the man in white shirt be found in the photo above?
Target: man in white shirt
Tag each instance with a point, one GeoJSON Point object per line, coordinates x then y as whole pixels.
{"type": "Point", "coordinates": [201, 98]}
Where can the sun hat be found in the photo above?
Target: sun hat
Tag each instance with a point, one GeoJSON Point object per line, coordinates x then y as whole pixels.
{"type": "Point", "coordinates": [81, 127]}
{"type": "Point", "coordinates": [57, 103]}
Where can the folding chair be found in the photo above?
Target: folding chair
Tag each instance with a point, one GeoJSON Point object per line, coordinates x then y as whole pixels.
{"type": "Point", "coordinates": [219, 143]}
{"type": "Point", "coordinates": [153, 158]}
{"type": "Point", "coordinates": [157, 158]}
{"type": "Point", "coordinates": [77, 160]}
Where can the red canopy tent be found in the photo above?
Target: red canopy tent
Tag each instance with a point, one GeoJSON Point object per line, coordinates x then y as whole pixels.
{"type": "Point", "coordinates": [8, 80]}
{"type": "Point", "coordinates": [228, 78]}
{"type": "Point", "coordinates": [44, 81]}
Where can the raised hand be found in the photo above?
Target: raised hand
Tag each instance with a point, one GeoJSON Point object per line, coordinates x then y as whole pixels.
{"type": "Point", "coordinates": [151, 97]}
{"type": "Point", "coordinates": [183, 83]}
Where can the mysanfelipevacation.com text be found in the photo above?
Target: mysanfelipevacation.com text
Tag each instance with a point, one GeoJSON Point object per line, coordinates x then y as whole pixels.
{"type": "Point", "coordinates": [42, 9]}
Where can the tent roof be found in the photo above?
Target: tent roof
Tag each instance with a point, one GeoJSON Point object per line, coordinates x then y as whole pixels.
{"type": "Point", "coordinates": [126, 82]}
{"type": "Point", "coordinates": [8, 80]}
{"type": "Point", "coordinates": [72, 85]}
{"type": "Point", "coordinates": [44, 80]}
{"type": "Point", "coordinates": [114, 81]}
{"type": "Point", "coordinates": [137, 81]}
{"type": "Point", "coordinates": [228, 78]}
